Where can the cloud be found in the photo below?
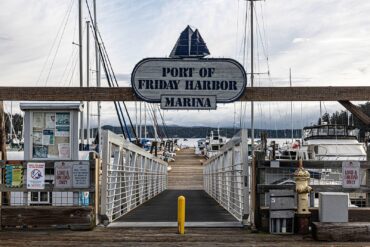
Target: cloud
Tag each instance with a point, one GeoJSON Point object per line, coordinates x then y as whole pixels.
{"type": "Point", "coordinates": [325, 43]}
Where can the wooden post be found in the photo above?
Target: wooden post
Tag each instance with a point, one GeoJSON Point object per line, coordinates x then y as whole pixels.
{"type": "Point", "coordinates": [2, 149]}
{"type": "Point", "coordinates": [2, 132]}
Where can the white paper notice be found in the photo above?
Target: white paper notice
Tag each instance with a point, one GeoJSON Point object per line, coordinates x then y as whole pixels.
{"type": "Point", "coordinates": [36, 176]}
{"type": "Point", "coordinates": [64, 150]}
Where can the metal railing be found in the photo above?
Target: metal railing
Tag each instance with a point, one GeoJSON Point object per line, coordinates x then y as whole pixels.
{"type": "Point", "coordinates": [131, 176]}
{"type": "Point", "coordinates": [225, 177]}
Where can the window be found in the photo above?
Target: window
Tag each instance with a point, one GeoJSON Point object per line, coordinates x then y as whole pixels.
{"type": "Point", "coordinates": [51, 135]}
{"type": "Point", "coordinates": [40, 198]}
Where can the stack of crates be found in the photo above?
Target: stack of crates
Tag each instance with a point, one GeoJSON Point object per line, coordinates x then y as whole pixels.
{"type": "Point", "coordinates": [282, 211]}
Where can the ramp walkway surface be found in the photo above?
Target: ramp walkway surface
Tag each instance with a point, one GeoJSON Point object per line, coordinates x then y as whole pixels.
{"type": "Point", "coordinates": [186, 179]}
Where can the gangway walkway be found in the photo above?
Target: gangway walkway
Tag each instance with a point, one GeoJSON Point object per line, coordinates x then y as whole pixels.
{"type": "Point", "coordinates": [185, 178]}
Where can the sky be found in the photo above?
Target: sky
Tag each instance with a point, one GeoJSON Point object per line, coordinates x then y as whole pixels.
{"type": "Point", "coordinates": [324, 42]}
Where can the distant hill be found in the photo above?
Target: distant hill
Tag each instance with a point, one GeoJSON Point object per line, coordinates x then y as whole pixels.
{"type": "Point", "coordinates": [202, 132]}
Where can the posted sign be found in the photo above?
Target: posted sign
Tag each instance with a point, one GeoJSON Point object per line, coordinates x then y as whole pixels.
{"type": "Point", "coordinates": [63, 175]}
{"type": "Point", "coordinates": [36, 176]}
{"type": "Point", "coordinates": [188, 83]}
{"type": "Point", "coordinates": [81, 175]}
{"type": "Point", "coordinates": [351, 174]}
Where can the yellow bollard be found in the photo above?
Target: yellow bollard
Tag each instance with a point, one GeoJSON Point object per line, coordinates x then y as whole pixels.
{"type": "Point", "coordinates": [181, 214]}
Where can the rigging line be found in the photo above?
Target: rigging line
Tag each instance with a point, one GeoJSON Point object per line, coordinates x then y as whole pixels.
{"type": "Point", "coordinates": [244, 58]}
{"type": "Point", "coordinates": [164, 123]}
{"type": "Point", "coordinates": [73, 68]}
{"type": "Point", "coordinates": [108, 75]}
{"type": "Point", "coordinates": [115, 80]}
{"type": "Point", "coordinates": [69, 62]}
{"type": "Point", "coordinates": [58, 46]}
{"type": "Point", "coordinates": [237, 31]}
{"type": "Point", "coordinates": [117, 105]}
{"type": "Point", "coordinates": [53, 44]}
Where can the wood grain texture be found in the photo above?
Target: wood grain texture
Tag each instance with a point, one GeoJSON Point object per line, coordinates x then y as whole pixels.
{"type": "Point", "coordinates": [187, 171]}
{"type": "Point", "coordinates": [127, 94]}
{"type": "Point", "coordinates": [48, 216]}
{"type": "Point", "coordinates": [353, 231]}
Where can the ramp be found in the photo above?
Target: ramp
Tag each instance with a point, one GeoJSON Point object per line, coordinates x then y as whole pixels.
{"type": "Point", "coordinates": [201, 211]}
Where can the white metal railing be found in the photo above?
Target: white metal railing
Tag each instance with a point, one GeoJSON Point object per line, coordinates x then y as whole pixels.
{"type": "Point", "coordinates": [225, 177]}
{"type": "Point", "coordinates": [131, 176]}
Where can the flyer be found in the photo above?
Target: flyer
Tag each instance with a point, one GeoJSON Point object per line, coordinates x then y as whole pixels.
{"type": "Point", "coordinates": [36, 176]}
{"type": "Point", "coordinates": [37, 138]}
{"type": "Point", "coordinates": [40, 151]}
{"type": "Point", "coordinates": [64, 150]}
{"type": "Point", "coordinates": [38, 120]}
{"type": "Point", "coordinates": [62, 118]}
{"type": "Point", "coordinates": [17, 178]}
{"type": "Point", "coordinates": [50, 120]}
{"type": "Point", "coordinates": [48, 137]}
{"type": "Point", "coordinates": [62, 131]}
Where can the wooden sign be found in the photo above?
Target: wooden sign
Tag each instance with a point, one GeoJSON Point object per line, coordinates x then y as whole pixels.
{"type": "Point", "coordinates": [351, 174]}
{"type": "Point", "coordinates": [188, 83]}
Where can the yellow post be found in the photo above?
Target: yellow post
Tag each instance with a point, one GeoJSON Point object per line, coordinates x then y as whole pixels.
{"type": "Point", "coordinates": [181, 214]}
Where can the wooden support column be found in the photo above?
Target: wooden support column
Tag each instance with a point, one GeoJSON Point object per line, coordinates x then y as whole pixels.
{"type": "Point", "coordinates": [2, 132]}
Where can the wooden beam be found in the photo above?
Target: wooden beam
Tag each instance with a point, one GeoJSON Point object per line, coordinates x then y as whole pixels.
{"type": "Point", "coordinates": [356, 111]}
{"type": "Point", "coordinates": [343, 232]}
{"type": "Point", "coordinates": [127, 94]}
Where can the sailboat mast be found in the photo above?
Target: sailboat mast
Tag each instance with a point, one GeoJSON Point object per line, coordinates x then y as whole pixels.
{"type": "Point", "coordinates": [88, 81]}
{"type": "Point", "coordinates": [82, 134]}
{"type": "Point", "coordinates": [11, 120]}
{"type": "Point", "coordinates": [291, 104]}
{"type": "Point", "coordinates": [252, 75]}
{"type": "Point", "coordinates": [98, 84]}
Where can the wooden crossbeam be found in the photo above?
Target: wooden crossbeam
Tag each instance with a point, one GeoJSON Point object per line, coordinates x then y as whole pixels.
{"type": "Point", "coordinates": [127, 94]}
{"type": "Point", "coordinates": [356, 111]}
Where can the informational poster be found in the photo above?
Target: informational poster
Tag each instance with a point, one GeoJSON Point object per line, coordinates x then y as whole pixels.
{"type": "Point", "coordinates": [17, 180]}
{"type": "Point", "coordinates": [81, 175]}
{"type": "Point", "coordinates": [48, 137]}
{"type": "Point", "coordinates": [13, 176]}
{"type": "Point", "coordinates": [63, 175]}
{"type": "Point", "coordinates": [50, 120]}
{"type": "Point", "coordinates": [37, 138]}
{"type": "Point", "coordinates": [40, 152]}
{"type": "Point", "coordinates": [351, 174]}
{"type": "Point", "coordinates": [64, 150]}
{"type": "Point", "coordinates": [36, 176]}
{"type": "Point", "coordinates": [38, 120]}
{"type": "Point", "coordinates": [62, 131]}
{"type": "Point", "coordinates": [84, 198]}
{"type": "Point", "coordinates": [62, 118]}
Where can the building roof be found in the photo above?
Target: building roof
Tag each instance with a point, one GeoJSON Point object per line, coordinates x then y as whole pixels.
{"type": "Point", "coordinates": [76, 106]}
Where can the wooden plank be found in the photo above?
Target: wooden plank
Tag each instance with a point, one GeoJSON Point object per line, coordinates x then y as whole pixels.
{"type": "Point", "coordinates": [352, 231]}
{"type": "Point", "coordinates": [47, 216]}
{"type": "Point", "coordinates": [127, 94]}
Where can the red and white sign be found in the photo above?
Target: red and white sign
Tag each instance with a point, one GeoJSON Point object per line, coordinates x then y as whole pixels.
{"type": "Point", "coordinates": [351, 174]}
{"type": "Point", "coordinates": [36, 176]}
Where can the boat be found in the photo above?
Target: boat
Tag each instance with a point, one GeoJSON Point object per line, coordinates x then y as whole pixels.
{"type": "Point", "coordinates": [214, 142]}
{"type": "Point", "coordinates": [331, 142]}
